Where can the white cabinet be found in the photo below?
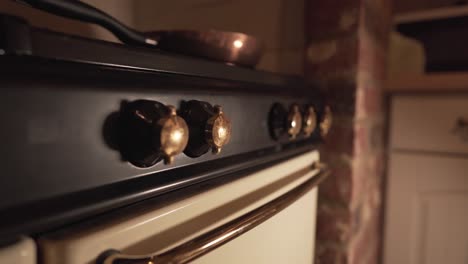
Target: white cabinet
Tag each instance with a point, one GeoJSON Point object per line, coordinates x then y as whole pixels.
{"type": "Point", "coordinates": [427, 210]}
{"type": "Point", "coordinates": [426, 215]}
{"type": "Point", "coordinates": [429, 123]}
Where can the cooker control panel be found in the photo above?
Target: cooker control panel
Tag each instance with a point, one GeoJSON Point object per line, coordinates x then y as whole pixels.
{"type": "Point", "coordinates": [150, 131]}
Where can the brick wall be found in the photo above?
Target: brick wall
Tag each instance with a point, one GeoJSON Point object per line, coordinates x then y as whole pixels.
{"type": "Point", "coordinates": [345, 55]}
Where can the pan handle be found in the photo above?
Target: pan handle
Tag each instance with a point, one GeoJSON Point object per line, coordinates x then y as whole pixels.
{"type": "Point", "coordinates": [78, 10]}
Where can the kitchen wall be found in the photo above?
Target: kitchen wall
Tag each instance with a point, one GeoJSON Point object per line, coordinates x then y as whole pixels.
{"type": "Point", "coordinates": [280, 23]}
{"type": "Point", "coordinates": [346, 57]}
{"type": "Point", "coordinates": [122, 9]}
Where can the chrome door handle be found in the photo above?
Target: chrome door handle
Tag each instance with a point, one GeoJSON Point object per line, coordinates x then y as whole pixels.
{"type": "Point", "coordinates": [213, 239]}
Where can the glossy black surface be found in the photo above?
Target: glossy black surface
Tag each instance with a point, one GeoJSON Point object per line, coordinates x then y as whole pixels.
{"type": "Point", "coordinates": [277, 121]}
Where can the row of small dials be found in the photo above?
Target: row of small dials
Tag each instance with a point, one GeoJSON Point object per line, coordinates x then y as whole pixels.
{"type": "Point", "coordinates": [298, 121]}
{"type": "Point", "coordinates": [151, 131]}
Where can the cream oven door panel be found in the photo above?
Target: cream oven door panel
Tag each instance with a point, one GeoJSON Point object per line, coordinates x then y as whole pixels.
{"type": "Point", "coordinates": [21, 252]}
{"type": "Point", "coordinates": [287, 237]}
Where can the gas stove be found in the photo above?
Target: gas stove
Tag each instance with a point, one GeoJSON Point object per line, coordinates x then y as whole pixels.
{"type": "Point", "coordinates": [91, 126]}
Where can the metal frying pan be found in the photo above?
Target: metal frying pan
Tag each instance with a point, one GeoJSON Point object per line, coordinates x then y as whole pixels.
{"type": "Point", "coordinates": [229, 47]}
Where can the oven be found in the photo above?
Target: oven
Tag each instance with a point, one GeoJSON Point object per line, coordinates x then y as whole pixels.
{"type": "Point", "coordinates": [115, 155]}
{"type": "Point", "coordinates": [265, 216]}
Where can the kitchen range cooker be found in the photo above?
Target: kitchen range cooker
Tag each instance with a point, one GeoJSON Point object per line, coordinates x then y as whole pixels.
{"type": "Point", "coordinates": [120, 154]}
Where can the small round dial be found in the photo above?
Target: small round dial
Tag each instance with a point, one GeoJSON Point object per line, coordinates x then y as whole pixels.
{"type": "Point", "coordinates": [218, 130]}
{"type": "Point", "coordinates": [151, 131]}
{"type": "Point", "coordinates": [310, 121]}
{"type": "Point", "coordinates": [277, 119]}
{"type": "Point", "coordinates": [294, 122]}
{"type": "Point", "coordinates": [326, 121]}
{"type": "Point", "coordinates": [209, 127]}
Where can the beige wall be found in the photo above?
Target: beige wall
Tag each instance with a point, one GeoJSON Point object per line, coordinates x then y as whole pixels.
{"type": "Point", "coordinates": [280, 23]}
{"type": "Point", "coordinates": [122, 9]}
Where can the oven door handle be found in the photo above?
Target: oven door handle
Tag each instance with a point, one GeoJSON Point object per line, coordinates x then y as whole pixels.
{"type": "Point", "coordinates": [213, 239]}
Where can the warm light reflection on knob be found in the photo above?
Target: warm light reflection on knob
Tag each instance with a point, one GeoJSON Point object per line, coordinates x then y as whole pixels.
{"type": "Point", "coordinates": [294, 121]}
{"type": "Point", "coordinates": [173, 136]}
{"type": "Point", "coordinates": [218, 130]}
{"type": "Point", "coordinates": [326, 122]}
{"type": "Point", "coordinates": [310, 121]}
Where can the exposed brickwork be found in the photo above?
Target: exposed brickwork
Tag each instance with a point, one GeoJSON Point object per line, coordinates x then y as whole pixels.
{"type": "Point", "coordinates": [335, 221]}
{"type": "Point", "coordinates": [325, 19]}
{"type": "Point", "coordinates": [331, 253]}
{"type": "Point", "coordinates": [345, 56]}
{"type": "Point", "coordinates": [339, 191]}
{"type": "Point", "coordinates": [331, 58]}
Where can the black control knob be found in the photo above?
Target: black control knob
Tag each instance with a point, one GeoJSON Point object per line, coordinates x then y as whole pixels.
{"type": "Point", "coordinates": [309, 122]}
{"type": "Point", "coordinates": [326, 121]}
{"type": "Point", "coordinates": [277, 120]}
{"type": "Point", "coordinates": [285, 124]}
{"type": "Point", "coordinates": [151, 131]}
{"type": "Point", "coordinates": [209, 128]}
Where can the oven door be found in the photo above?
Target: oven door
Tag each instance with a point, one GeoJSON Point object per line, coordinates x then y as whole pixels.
{"type": "Point", "coordinates": [267, 216]}
{"type": "Point", "coordinates": [22, 251]}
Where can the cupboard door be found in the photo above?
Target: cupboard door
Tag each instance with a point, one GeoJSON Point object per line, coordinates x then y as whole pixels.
{"type": "Point", "coordinates": [430, 123]}
{"type": "Point", "coordinates": [427, 210]}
